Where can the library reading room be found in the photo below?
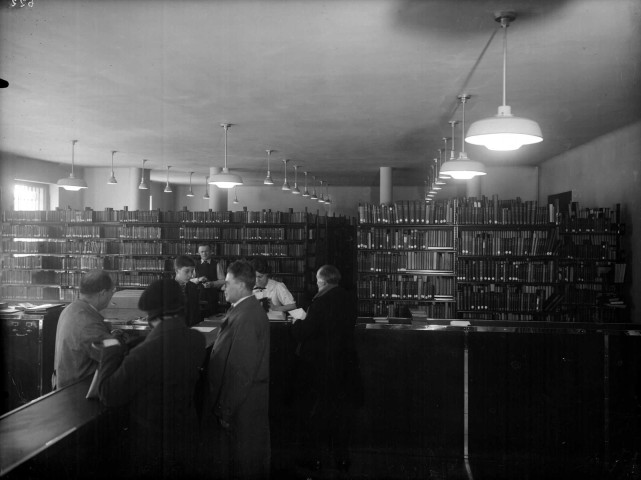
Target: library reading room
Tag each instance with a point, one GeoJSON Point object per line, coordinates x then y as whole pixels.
{"type": "Point", "coordinates": [311, 239]}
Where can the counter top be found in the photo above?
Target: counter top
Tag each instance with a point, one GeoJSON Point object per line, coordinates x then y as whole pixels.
{"type": "Point", "coordinates": [36, 426]}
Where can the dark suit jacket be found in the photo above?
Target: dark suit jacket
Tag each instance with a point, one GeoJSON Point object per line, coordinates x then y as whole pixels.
{"type": "Point", "coordinates": [209, 295]}
{"type": "Point", "coordinates": [156, 379]}
{"type": "Point", "coordinates": [239, 378]}
{"type": "Point", "coordinates": [327, 349]}
{"type": "Point", "coordinates": [192, 304]}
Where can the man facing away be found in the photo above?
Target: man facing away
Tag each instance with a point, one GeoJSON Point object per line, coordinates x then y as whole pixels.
{"type": "Point", "coordinates": [80, 325]}
{"type": "Point", "coordinates": [239, 379]}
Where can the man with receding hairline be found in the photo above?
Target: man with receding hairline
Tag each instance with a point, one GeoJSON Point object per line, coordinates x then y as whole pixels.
{"type": "Point", "coordinates": [80, 325]}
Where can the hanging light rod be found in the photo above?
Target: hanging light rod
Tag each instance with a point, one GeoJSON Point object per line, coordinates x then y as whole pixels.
{"type": "Point", "coordinates": [225, 179]}
{"type": "Point", "coordinates": [143, 183]}
{"type": "Point", "coordinates": [504, 131]}
{"type": "Point", "coordinates": [72, 183]}
{"type": "Point", "coordinates": [268, 179]}
{"type": "Point", "coordinates": [112, 180]}
{"type": "Point", "coordinates": [463, 168]}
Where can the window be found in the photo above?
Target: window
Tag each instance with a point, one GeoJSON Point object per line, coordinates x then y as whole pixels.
{"type": "Point", "coordinates": [30, 196]}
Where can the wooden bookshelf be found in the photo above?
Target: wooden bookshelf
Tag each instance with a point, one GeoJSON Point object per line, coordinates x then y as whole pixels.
{"type": "Point", "coordinates": [491, 259]}
{"type": "Point", "coordinates": [44, 254]}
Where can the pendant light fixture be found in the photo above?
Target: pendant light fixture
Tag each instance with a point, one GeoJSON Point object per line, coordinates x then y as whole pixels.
{"type": "Point", "coordinates": [444, 157]}
{"type": "Point", "coordinates": [112, 180]}
{"type": "Point", "coordinates": [320, 197]}
{"type": "Point", "coordinates": [235, 202]}
{"type": "Point", "coordinates": [167, 186]}
{"type": "Point", "coordinates": [296, 190]}
{"type": "Point", "coordinates": [314, 197]}
{"type": "Point", "coordinates": [190, 193]}
{"type": "Point", "coordinates": [305, 192]}
{"type": "Point", "coordinates": [225, 179]}
{"type": "Point", "coordinates": [206, 195]}
{"type": "Point", "coordinates": [143, 184]}
{"type": "Point", "coordinates": [504, 131]}
{"type": "Point", "coordinates": [440, 180]}
{"type": "Point", "coordinates": [462, 168]}
{"type": "Point", "coordinates": [328, 200]}
{"type": "Point", "coordinates": [72, 183]}
{"type": "Point", "coordinates": [268, 179]}
{"type": "Point", "coordinates": [285, 183]}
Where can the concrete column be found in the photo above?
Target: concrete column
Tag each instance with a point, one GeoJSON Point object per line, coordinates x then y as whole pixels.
{"type": "Point", "coordinates": [218, 196]}
{"type": "Point", "coordinates": [386, 186]}
{"type": "Point", "coordinates": [473, 186]}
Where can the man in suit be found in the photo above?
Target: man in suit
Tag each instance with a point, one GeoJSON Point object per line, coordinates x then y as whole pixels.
{"type": "Point", "coordinates": [239, 378]}
{"type": "Point", "coordinates": [210, 277]}
{"type": "Point", "coordinates": [79, 326]}
{"type": "Point", "coordinates": [329, 383]}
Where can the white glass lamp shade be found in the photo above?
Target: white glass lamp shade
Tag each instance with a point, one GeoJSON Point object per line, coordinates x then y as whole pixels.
{"type": "Point", "coordinates": [72, 183]}
{"type": "Point", "coordinates": [268, 179]}
{"type": "Point", "coordinates": [225, 179]}
{"type": "Point", "coordinates": [504, 131]}
{"type": "Point", "coordinates": [463, 168]}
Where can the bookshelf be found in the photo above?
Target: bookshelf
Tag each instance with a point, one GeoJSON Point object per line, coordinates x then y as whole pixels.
{"type": "Point", "coordinates": [44, 254]}
{"type": "Point", "coordinates": [406, 260]}
{"type": "Point", "coordinates": [592, 265]}
{"type": "Point", "coordinates": [490, 259]}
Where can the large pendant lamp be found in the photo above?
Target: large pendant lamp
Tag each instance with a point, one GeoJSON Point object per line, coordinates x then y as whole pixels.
{"type": "Point", "coordinates": [225, 179]}
{"type": "Point", "coordinates": [206, 195]}
{"type": "Point", "coordinates": [463, 168]}
{"type": "Point", "coordinates": [504, 131]}
{"type": "Point", "coordinates": [72, 183]}
{"type": "Point", "coordinates": [306, 192]}
{"type": "Point", "coordinates": [112, 180]}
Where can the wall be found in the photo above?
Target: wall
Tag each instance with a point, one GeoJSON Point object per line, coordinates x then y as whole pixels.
{"type": "Point", "coordinates": [602, 173]}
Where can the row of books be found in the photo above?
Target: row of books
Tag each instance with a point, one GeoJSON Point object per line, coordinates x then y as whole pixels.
{"type": "Point", "coordinates": [32, 292]}
{"type": "Point", "coordinates": [403, 238]}
{"type": "Point", "coordinates": [503, 316]}
{"type": "Point", "coordinates": [508, 242]}
{"type": "Point", "coordinates": [391, 262]}
{"type": "Point", "coordinates": [587, 272]}
{"type": "Point", "coordinates": [475, 298]}
{"type": "Point", "coordinates": [408, 212]}
{"type": "Point", "coordinates": [517, 213]}
{"type": "Point", "coordinates": [478, 270]}
{"type": "Point", "coordinates": [607, 249]}
{"type": "Point", "coordinates": [41, 277]}
{"type": "Point", "coordinates": [156, 216]}
{"type": "Point", "coordinates": [390, 309]}
{"type": "Point", "coordinates": [419, 287]}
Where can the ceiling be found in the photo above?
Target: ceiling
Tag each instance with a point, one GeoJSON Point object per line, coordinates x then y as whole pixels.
{"type": "Point", "coordinates": [340, 88]}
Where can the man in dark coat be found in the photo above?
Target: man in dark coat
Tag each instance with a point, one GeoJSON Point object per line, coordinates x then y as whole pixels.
{"type": "Point", "coordinates": [239, 379]}
{"type": "Point", "coordinates": [156, 379]}
{"type": "Point", "coordinates": [329, 382]}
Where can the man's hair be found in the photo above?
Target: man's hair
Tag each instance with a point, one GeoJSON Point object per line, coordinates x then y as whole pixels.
{"type": "Point", "coordinates": [183, 261]}
{"type": "Point", "coordinates": [260, 265]}
{"type": "Point", "coordinates": [204, 245]}
{"type": "Point", "coordinates": [330, 274]}
{"type": "Point", "coordinates": [244, 272]}
{"type": "Point", "coordinates": [95, 281]}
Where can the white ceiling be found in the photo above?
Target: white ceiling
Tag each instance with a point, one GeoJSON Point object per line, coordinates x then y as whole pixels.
{"type": "Point", "coordinates": [339, 87]}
